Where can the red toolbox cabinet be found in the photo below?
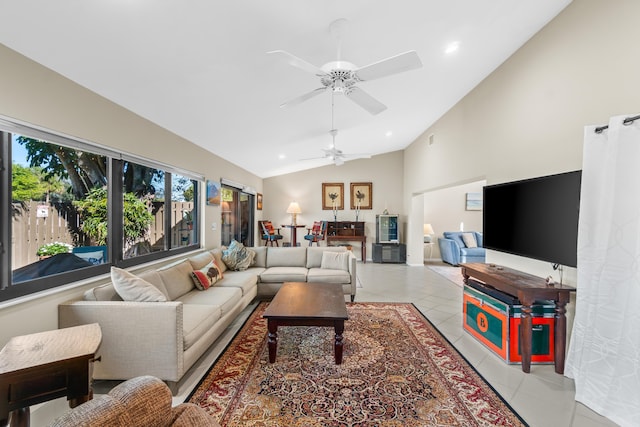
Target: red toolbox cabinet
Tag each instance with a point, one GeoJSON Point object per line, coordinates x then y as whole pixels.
{"type": "Point", "coordinates": [493, 318]}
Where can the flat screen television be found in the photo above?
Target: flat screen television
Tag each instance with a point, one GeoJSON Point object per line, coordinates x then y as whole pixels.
{"type": "Point", "coordinates": [534, 218]}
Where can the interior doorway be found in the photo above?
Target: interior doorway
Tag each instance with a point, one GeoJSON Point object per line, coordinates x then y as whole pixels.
{"type": "Point", "coordinates": [237, 216]}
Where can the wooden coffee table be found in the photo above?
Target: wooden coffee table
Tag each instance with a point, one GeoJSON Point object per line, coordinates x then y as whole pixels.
{"type": "Point", "coordinates": [307, 304]}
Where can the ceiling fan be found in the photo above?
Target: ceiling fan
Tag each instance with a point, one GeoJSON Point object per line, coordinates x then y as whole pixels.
{"type": "Point", "coordinates": [338, 156]}
{"type": "Point", "coordinates": [342, 77]}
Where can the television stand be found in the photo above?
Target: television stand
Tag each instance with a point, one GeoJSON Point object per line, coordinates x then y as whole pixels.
{"type": "Point", "coordinates": [528, 289]}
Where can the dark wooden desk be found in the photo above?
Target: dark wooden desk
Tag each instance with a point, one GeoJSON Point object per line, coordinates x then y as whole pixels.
{"type": "Point", "coordinates": [307, 304]}
{"type": "Point", "coordinates": [348, 231]}
{"type": "Point", "coordinates": [528, 289]}
{"type": "Point", "coordinates": [47, 365]}
{"type": "Point", "coordinates": [294, 233]}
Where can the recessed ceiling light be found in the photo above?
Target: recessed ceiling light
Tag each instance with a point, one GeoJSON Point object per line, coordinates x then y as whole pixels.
{"type": "Point", "coordinates": [452, 47]}
{"type": "Point", "coordinates": [389, 133]}
{"type": "Point", "coordinates": [282, 156]}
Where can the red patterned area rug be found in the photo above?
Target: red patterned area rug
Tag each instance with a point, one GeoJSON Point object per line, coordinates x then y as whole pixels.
{"type": "Point", "coordinates": [397, 371]}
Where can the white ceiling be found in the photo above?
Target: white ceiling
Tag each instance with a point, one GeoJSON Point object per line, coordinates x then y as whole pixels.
{"type": "Point", "coordinates": [199, 68]}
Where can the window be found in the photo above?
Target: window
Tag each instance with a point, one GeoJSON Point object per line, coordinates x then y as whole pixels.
{"type": "Point", "coordinates": [63, 204]}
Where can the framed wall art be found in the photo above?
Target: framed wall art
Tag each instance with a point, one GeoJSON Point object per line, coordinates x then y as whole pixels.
{"type": "Point", "coordinates": [332, 195]}
{"type": "Point", "coordinates": [361, 195]}
{"type": "Point", "coordinates": [259, 201]}
{"type": "Point", "coordinates": [474, 202]}
{"type": "Point", "coordinates": [213, 193]}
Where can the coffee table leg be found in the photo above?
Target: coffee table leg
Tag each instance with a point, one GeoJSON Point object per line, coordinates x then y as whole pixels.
{"type": "Point", "coordinates": [272, 340]}
{"type": "Point", "coordinates": [339, 328]}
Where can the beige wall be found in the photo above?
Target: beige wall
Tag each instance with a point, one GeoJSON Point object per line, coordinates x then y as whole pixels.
{"type": "Point", "coordinates": [33, 94]}
{"type": "Point", "coordinates": [383, 171]}
{"type": "Point", "coordinates": [445, 209]}
{"type": "Point", "coordinates": [527, 118]}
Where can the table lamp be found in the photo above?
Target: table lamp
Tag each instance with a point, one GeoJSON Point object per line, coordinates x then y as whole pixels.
{"type": "Point", "coordinates": [294, 209]}
{"type": "Point", "coordinates": [428, 231]}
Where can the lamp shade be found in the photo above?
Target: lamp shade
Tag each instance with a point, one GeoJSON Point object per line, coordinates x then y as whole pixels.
{"type": "Point", "coordinates": [428, 229]}
{"type": "Point", "coordinates": [294, 208]}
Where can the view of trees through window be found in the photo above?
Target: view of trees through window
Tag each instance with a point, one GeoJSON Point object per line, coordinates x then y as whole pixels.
{"type": "Point", "coordinates": [61, 210]}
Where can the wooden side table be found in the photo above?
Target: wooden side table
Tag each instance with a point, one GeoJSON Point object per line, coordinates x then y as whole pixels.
{"type": "Point", "coordinates": [44, 366]}
{"type": "Point", "coordinates": [294, 233]}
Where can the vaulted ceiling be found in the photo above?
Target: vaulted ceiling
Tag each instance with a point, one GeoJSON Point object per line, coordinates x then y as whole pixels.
{"type": "Point", "coordinates": [200, 68]}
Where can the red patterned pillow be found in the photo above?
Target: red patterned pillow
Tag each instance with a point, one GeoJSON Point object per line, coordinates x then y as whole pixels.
{"type": "Point", "coordinates": [205, 277]}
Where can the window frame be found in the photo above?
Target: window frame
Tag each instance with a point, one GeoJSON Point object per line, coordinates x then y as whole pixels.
{"type": "Point", "coordinates": [115, 161]}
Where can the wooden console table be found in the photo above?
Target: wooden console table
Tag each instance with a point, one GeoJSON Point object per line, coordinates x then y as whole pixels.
{"type": "Point", "coordinates": [528, 289]}
{"type": "Point", "coordinates": [348, 231]}
{"type": "Point", "coordinates": [47, 365]}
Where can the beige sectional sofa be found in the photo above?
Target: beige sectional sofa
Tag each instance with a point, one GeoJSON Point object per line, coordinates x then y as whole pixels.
{"type": "Point", "coordinates": [164, 339]}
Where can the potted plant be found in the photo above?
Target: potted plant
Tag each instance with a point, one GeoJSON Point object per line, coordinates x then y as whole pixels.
{"type": "Point", "coordinates": [50, 249]}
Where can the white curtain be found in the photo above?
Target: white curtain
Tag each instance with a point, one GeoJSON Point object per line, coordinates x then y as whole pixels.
{"type": "Point", "coordinates": [604, 352]}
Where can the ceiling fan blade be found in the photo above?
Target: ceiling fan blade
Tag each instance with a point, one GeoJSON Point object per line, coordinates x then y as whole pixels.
{"type": "Point", "coordinates": [300, 63]}
{"type": "Point", "coordinates": [338, 161]}
{"type": "Point", "coordinates": [365, 100]}
{"type": "Point", "coordinates": [300, 99]}
{"type": "Point", "coordinates": [396, 64]}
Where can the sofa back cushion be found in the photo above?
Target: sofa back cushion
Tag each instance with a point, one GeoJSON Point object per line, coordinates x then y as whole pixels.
{"type": "Point", "coordinates": [177, 279]}
{"type": "Point", "coordinates": [104, 292]}
{"type": "Point", "coordinates": [217, 255]}
{"type": "Point", "coordinates": [314, 255]}
{"type": "Point", "coordinates": [286, 257]}
{"type": "Point", "coordinates": [260, 260]}
{"type": "Point", "coordinates": [200, 260]}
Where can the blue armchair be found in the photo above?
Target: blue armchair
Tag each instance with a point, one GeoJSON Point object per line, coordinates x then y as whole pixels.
{"type": "Point", "coordinates": [454, 251]}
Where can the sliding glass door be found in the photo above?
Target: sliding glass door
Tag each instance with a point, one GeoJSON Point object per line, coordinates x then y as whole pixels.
{"type": "Point", "coordinates": [237, 216]}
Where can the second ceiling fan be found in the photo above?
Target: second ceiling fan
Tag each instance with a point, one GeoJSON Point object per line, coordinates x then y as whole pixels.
{"type": "Point", "coordinates": [342, 76]}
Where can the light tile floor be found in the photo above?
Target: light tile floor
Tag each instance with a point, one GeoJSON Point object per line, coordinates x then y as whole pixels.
{"type": "Point", "coordinates": [543, 398]}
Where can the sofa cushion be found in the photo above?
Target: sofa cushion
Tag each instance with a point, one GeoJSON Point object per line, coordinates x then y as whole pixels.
{"type": "Point", "coordinates": [469, 240]}
{"type": "Point", "coordinates": [206, 276]}
{"type": "Point", "coordinates": [314, 255]}
{"type": "Point", "coordinates": [154, 278]}
{"type": "Point", "coordinates": [456, 236]}
{"type": "Point", "coordinates": [474, 252]}
{"type": "Point", "coordinates": [200, 260]}
{"type": "Point", "coordinates": [237, 257]}
{"type": "Point", "coordinates": [104, 292]}
{"type": "Point", "coordinates": [287, 257]}
{"type": "Point", "coordinates": [260, 260]}
{"type": "Point", "coordinates": [177, 279]}
{"type": "Point", "coordinates": [283, 274]}
{"type": "Point", "coordinates": [132, 288]}
{"type": "Point", "coordinates": [217, 255]}
{"type": "Point", "coordinates": [197, 319]}
{"type": "Point", "coordinates": [324, 275]}
{"type": "Point", "coordinates": [225, 298]}
{"type": "Point", "coordinates": [245, 280]}
{"type": "Point", "coordinates": [335, 261]}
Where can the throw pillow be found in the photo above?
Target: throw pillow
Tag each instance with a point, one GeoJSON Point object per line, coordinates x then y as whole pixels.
{"type": "Point", "coordinates": [237, 257]}
{"type": "Point", "coordinates": [132, 288]}
{"type": "Point", "coordinates": [469, 240]}
{"type": "Point", "coordinates": [335, 260]}
{"type": "Point", "coordinates": [207, 276]}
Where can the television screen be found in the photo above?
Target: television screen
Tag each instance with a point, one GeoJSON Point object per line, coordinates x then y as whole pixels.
{"type": "Point", "coordinates": [534, 218]}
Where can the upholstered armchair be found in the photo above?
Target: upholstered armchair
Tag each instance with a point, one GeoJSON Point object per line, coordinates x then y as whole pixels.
{"type": "Point", "coordinates": [269, 233]}
{"type": "Point", "coordinates": [458, 247]}
{"type": "Point", "coordinates": [139, 402]}
{"type": "Point", "coordinates": [316, 233]}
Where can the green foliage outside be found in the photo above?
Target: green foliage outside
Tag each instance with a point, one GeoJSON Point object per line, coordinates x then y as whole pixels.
{"type": "Point", "coordinates": [31, 184]}
{"type": "Point", "coordinates": [54, 249]}
{"type": "Point", "coordinates": [93, 213]}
